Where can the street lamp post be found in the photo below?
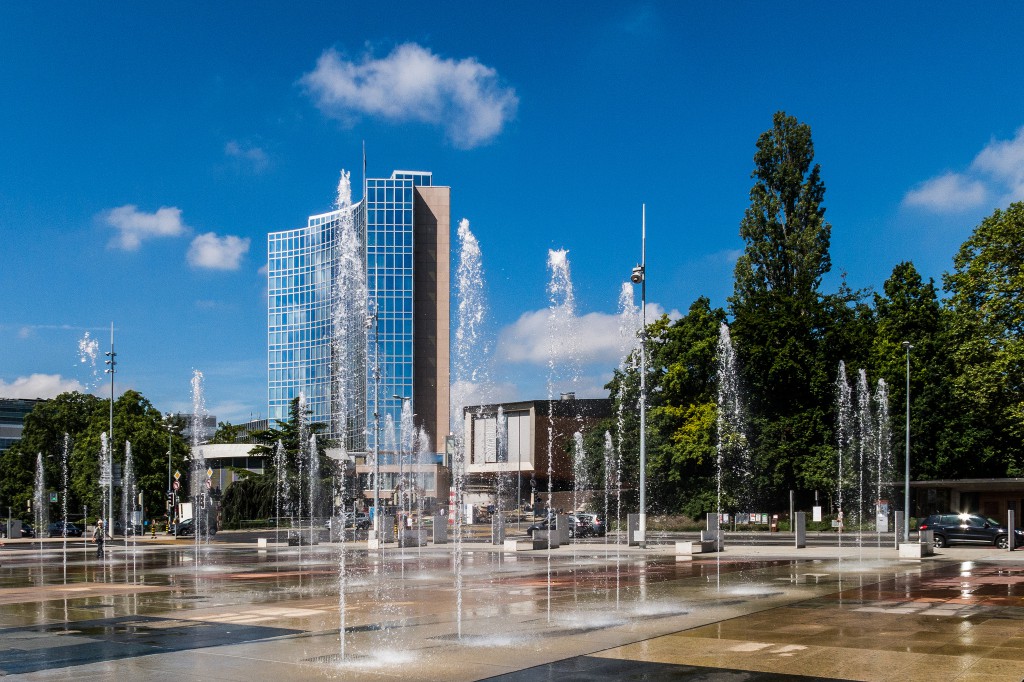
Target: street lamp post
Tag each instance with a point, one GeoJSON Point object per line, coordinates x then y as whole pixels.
{"type": "Point", "coordinates": [112, 362]}
{"type": "Point", "coordinates": [906, 474]}
{"type": "Point", "coordinates": [639, 276]}
{"type": "Point", "coordinates": [170, 486]}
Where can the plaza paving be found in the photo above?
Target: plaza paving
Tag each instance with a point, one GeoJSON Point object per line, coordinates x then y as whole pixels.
{"type": "Point", "coordinates": [230, 611]}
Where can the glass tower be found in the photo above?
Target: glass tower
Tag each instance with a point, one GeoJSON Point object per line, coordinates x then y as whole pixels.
{"type": "Point", "coordinates": [352, 358]}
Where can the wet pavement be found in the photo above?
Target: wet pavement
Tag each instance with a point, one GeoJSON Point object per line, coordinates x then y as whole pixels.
{"type": "Point", "coordinates": [232, 611]}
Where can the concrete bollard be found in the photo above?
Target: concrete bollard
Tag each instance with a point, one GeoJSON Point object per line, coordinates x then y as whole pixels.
{"type": "Point", "coordinates": [440, 529]}
{"type": "Point", "coordinates": [632, 528]}
{"type": "Point", "coordinates": [1011, 522]}
{"type": "Point", "coordinates": [562, 526]}
{"type": "Point", "coordinates": [800, 530]}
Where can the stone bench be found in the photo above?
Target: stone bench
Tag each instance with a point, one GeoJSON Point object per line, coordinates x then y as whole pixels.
{"type": "Point", "coordinates": [691, 547]}
{"type": "Point", "coordinates": [541, 539]}
{"type": "Point", "coordinates": [519, 545]}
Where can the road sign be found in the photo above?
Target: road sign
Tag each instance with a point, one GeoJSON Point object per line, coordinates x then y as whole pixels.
{"type": "Point", "coordinates": [177, 475]}
{"type": "Point", "coordinates": [176, 485]}
{"type": "Point", "coordinates": [209, 472]}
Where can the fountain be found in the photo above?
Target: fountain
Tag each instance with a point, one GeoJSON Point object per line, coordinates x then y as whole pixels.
{"type": "Point", "coordinates": [128, 495]}
{"type": "Point", "coordinates": [844, 442]}
{"type": "Point", "coordinates": [732, 456]}
{"type": "Point", "coordinates": [198, 481]}
{"type": "Point", "coordinates": [39, 500]}
{"type": "Point", "coordinates": [469, 377]}
{"type": "Point", "coordinates": [314, 484]}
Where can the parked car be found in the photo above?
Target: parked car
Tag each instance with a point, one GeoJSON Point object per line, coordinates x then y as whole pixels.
{"type": "Point", "coordinates": [119, 528]}
{"type": "Point", "coordinates": [597, 525]}
{"type": "Point", "coordinates": [969, 529]}
{"type": "Point", "coordinates": [577, 527]}
{"type": "Point", "coordinates": [59, 529]}
{"type": "Point", "coordinates": [26, 529]}
{"type": "Point", "coordinates": [188, 527]}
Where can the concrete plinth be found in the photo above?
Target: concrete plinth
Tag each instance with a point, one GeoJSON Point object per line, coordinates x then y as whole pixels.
{"type": "Point", "coordinates": [412, 537]}
{"type": "Point", "coordinates": [633, 530]}
{"type": "Point", "coordinates": [497, 530]}
{"type": "Point", "coordinates": [917, 550]}
{"type": "Point", "coordinates": [687, 547]}
{"type": "Point", "coordinates": [518, 545]}
{"type": "Point", "coordinates": [542, 538]}
{"type": "Point", "coordinates": [440, 529]}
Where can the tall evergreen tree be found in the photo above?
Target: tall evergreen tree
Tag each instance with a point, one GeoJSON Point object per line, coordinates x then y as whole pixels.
{"type": "Point", "coordinates": [777, 309]}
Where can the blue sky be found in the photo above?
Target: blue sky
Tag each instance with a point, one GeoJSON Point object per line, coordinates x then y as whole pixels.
{"type": "Point", "coordinates": [148, 149]}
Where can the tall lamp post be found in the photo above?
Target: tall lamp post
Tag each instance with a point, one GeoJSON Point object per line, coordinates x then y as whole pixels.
{"type": "Point", "coordinates": [906, 474]}
{"type": "Point", "coordinates": [170, 486]}
{"type": "Point", "coordinates": [112, 367]}
{"type": "Point", "coordinates": [639, 276]}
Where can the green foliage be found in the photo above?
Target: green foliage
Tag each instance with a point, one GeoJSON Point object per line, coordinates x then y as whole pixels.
{"type": "Point", "coordinates": [986, 328]}
{"type": "Point", "coordinates": [84, 418]}
{"type": "Point", "coordinates": [239, 504]}
{"type": "Point", "coordinates": [227, 433]}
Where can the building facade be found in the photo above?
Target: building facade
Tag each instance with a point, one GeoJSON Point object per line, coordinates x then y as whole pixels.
{"type": "Point", "coordinates": [358, 312]}
{"type": "Point", "coordinates": [512, 447]}
{"type": "Point", "coordinates": [12, 419]}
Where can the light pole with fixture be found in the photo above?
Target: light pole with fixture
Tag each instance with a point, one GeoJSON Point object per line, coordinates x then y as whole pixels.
{"type": "Point", "coordinates": [170, 485]}
{"type": "Point", "coordinates": [639, 276]}
{"type": "Point", "coordinates": [906, 474]}
{"type": "Point", "coordinates": [112, 362]}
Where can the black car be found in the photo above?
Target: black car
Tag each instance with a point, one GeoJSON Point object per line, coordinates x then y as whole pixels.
{"type": "Point", "coordinates": [63, 529]}
{"type": "Point", "coordinates": [969, 529]}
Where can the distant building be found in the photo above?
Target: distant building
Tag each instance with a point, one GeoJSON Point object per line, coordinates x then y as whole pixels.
{"type": "Point", "coordinates": [12, 419]}
{"type": "Point", "coordinates": [356, 341]}
{"type": "Point", "coordinates": [538, 434]}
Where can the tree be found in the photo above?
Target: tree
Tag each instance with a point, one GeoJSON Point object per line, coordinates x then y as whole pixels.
{"type": "Point", "coordinates": [986, 304]}
{"type": "Point", "coordinates": [290, 434]}
{"type": "Point", "coordinates": [777, 308]}
{"type": "Point", "coordinates": [84, 418]}
{"type": "Point", "coordinates": [681, 383]}
{"type": "Point", "coordinates": [909, 310]}
{"type": "Point", "coordinates": [227, 432]}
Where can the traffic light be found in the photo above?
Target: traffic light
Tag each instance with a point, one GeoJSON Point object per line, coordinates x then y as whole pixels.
{"type": "Point", "coordinates": [28, 504]}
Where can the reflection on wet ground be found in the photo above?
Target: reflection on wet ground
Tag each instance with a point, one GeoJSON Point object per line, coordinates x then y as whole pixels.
{"type": "Point", "coordinates": [241, 613]}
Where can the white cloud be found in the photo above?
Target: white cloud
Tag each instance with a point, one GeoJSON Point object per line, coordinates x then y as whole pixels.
{"type": "Point", "coordinates": [414, 84]}
{"type": "Point", "coordinates": [38, 386]}
{"type": "Point", "coordinates": [596, 338]}
{"type": "Point", "coordinates": [133, 225]}
{"type": "Point", "coordinates": [252, 156]}
{"type": "Point", "coordinates": [217, 253]}
{"type": "Point", "coordinates": [947, 193]}
{"type": "Point", "coordinates": [994, 178]}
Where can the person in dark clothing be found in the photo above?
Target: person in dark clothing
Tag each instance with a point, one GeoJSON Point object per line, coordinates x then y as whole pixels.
{"type": "Point", "coordinates": [97, 536]}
